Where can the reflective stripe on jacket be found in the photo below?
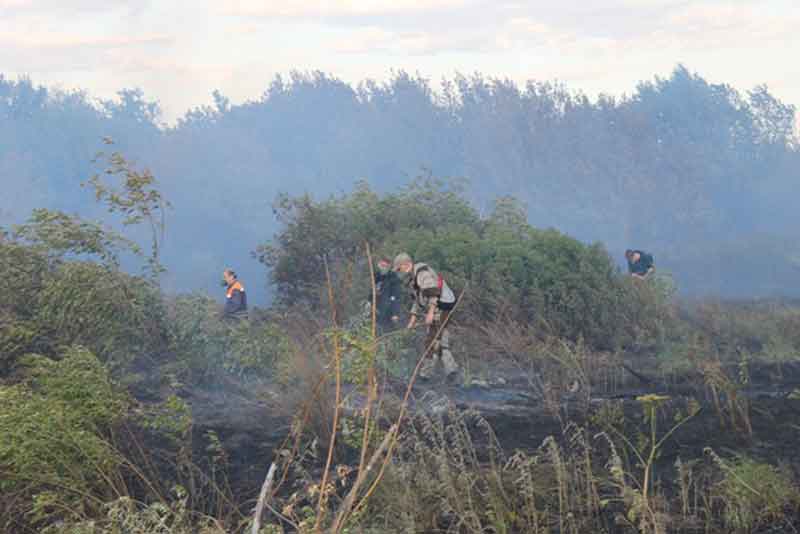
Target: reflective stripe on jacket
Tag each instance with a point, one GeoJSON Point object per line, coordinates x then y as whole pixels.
{"type": "Point", "coordinates": [235, 299]}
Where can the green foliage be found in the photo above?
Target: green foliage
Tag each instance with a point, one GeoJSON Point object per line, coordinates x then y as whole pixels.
{"type": "Point", "coordinates": [55, 296]}
{"type": "Point", "coordinates": [137, 200]}
{"type": "Point", "coordinates": [16, 338]}
{"type": "Point", "coordinates": [171, 419]}
{"type": "Point", "coordinates": [57, 234]}
{"type": "Point", "coordinates": [131, 517]}
{"type": "Point", "coordinates": [51, 297]}
{"type": "Point", "coordinates": [336, 229]}
{"type": "Point", "coordinates": [206, 345]}
{"type": "Point", "coordinates": [640, 499]}
{"type": "Point", "coordinates": [77, 380]}
{"type": "Point", "coordinates": [197, 336]}
{"type": "Point", "coordinates": [567, 288]}
{"type": "Point", "coordinates": [646, 314]}
{"type": "Point", "coordinates": [710, 333]}
{"type": "Point", "coordinates": [21, 272]}
{"type": "Point", "coordinates": [55, 426]}
{"type": "Point", "coordinates": [115, 315]}
{"type": "Point", "coordinates": [755, 493]}
{"type": "Point", "coordinates": [255, 347]}
{"type": "Point", "coordinates": [360, 350]}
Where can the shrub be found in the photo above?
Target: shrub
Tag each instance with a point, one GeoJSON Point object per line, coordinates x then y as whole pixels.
{"type": "Point", "coordinates": [48, 302]}
{"type": "Point", "coordinates": [54, 449]}
{"type": "Point", "coordinates": [113, 314]}
{"type": "Point", "coordinates": [755, 494]}
{"type": "Point", "coordinates": [198, 338]}
{"type": "Point", "coordinates": [567, 288]}
{"type": "Point", "coordinates": [206, 345]}
{"type": "Point", "coordinates": [21, 273]}
{"type": "Point", "coordinates": [255, 348]}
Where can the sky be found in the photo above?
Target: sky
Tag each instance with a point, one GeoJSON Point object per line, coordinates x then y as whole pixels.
{"type": "Point", "coordinates": [179, 51]}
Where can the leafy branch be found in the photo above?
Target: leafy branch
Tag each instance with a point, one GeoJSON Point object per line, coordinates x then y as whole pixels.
{"type": "Point", "coordinates": [137, 199]}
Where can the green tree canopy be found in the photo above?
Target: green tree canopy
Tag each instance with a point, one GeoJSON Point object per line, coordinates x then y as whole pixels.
{"type": "Point", "coordinates": [569, 288]}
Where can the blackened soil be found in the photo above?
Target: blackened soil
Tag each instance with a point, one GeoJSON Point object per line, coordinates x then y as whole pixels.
{"type": "Point", "coordinates": [251, 428]}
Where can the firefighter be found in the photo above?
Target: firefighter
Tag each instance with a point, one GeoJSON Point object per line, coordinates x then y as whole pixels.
{"type": "Point", "coordinates": [389, 289]}
{"type": "Point", "coordinates": [432, 296]}
{"type": "Point", "coordinates": [640, 264]}
{"type": "Point", "coordinates": [235, 297]}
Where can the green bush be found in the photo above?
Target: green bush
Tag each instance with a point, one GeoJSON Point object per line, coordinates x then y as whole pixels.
{"type": "Point", "coordinates": [50, 299]}
{"type": "Point", "coordinates": [198, 337]}
{"type": "Point", "coordinates": [55, 455]}
{"type": "Point", "coordinates": [205, 345]}
{"type": "Point", "coordinates": [21, 272]}
{"type": "Point", "coordinates": [255, 348]}
{"type": "Point", "coordinates": [755, 494]}
{"type": "Point", "coordinates": [567, 288]}
{"type": "Point", "coordinates": [335, 230]}
{"type": "Point", "coordinates": [115, 315]}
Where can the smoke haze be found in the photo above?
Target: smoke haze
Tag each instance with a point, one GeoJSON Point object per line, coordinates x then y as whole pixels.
{"type": "Point", "coordinates": [701, 175]}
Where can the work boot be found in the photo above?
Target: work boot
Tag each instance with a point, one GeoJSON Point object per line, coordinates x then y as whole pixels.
{"type": "Point", "coordinates": [451, 371]}
{"type": "Point", "coordinates": [449, 363]}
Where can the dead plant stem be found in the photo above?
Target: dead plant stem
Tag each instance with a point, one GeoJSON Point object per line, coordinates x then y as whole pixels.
{"type": "Point", "coordinates": [404, 405]}
{"type": "Point", "coordinates": [323, 491]}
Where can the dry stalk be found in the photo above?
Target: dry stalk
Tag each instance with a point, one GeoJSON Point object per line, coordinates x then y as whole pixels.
{"type": "Point", "coordinates": [347, 504]}
{"type": "Point", "coordinates": [371, 384]}
{"type": "Point", "coordinates": [365, 468]}
{"type": "Point", "coordinates": [323, 495]}
{"type": "Point", "coordinates": [316, 392]}
{"type": "Point", "coordinates": [262, 498]}
{"type": "Point", "coordinates": [393, 433]}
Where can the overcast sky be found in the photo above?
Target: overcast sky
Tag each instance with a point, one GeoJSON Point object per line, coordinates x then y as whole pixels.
{"type": "Point", "coordinates": [179, 51]}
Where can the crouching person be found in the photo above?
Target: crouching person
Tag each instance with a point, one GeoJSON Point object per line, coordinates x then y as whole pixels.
{"type": "Point", "coordinates": [640, 264]}
{"type": "Point", "coordinates": [432, 296]}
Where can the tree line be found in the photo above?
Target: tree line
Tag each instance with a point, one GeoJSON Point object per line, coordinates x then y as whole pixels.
{"type": "Point", "coordinates": [700, 174]}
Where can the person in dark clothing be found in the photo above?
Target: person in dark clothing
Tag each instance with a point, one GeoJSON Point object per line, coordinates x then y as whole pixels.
{"type": "Point", "coordinates": [640, 264]}
{"type": "Point", "coordinates": [235, 297]}
{"type": "Point", "coordinates": [389, 291]}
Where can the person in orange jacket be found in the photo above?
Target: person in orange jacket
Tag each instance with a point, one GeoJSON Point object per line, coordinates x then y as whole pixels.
{"type": "Point", "coordinates": [235, 297]}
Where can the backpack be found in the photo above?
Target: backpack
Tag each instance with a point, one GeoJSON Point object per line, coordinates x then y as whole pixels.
{"type": "Point", "coordinates": [447, 299]}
